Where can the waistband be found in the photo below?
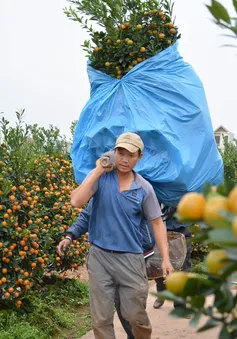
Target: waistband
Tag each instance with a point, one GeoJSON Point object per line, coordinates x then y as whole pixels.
{"type": "Point", "coordinates": [112, 251]}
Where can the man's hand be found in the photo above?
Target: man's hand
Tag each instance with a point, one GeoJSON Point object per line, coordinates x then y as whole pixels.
{"type": "Point", "coordinates": [102, 162]}
{"type": "Point", "coordinates": [167, 268]}
{"type": "Point", "coordinates": [161, 238]}
{"type": "Point", "coordinates": [62, 246]}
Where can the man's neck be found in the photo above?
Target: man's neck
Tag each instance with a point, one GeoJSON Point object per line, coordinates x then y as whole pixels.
{"type": "Point", "coordinates": [125, 180]}
{"type": "Point", "coordinates": [125, 176]}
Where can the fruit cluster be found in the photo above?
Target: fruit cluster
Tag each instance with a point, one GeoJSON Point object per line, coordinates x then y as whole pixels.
{"type": "Point", "coordinates": [133, 44]}
{"type": "Point", "coordinates": [133, 31]}
{"type": "Point", "coordinates": [35, 212]}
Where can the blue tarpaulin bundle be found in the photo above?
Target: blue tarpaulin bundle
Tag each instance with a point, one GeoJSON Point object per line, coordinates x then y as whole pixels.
{"type": "Point", "coordinates": [163, 100]}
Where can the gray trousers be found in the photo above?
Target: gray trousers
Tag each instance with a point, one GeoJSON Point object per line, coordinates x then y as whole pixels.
{"type": "Point", "coordinates": [124, 273]}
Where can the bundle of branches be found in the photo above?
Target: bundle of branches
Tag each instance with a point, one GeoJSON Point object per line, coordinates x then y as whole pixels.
{"type": "Point", "coordinates": [131, 31]}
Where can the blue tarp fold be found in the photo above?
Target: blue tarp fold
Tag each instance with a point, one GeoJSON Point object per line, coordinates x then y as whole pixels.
{"type": "Point", "coordinates": [163, 100]}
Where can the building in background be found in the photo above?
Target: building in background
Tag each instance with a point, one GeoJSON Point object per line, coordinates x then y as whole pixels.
{"type": "Point", "coordinates": [220, 133]}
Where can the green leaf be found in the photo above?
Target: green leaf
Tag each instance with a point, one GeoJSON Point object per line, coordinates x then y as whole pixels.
{"type": "Point", "coordinates": [226, 187]}
{"type": "Point", "coordinates": [190, 287]}
{"type": "Point", "coordinates": [199, 285]}
{"type": "Point", "coordinates": [224, 334]}
{"type": "Point", "coordinates": [234, 334]}
{"type": "Point", "coordinates": [223, 237]}
{"type": "Point", "coordinates": [197, 301]}
{"type": "Point", "coordinates": [167, 295]}
{"type": "Point", "coordinates": [206, 189]}
{"type": "Point", "coordinates": [228, 216]}
{"type": "Point", "coordinates": [224, 300]}
{"type": "Point", "coordinates": [221, 223]}
{"type": "Point", "coordinates": [233, 324]}
{"type": "Point", "coordinates": [234, 29]}
{"type": "Point", "coordinates": [200, 235]}
{"type": "Point", "coordinates": [219, 11]}
{"type": "Point", "coordinates": [235, 4]}
{"type": "Point", "coordinates": [209, 324]}
{"type": "Point", "coordinates": [180, 312]}
{"type": "Point", "coordinates": [220, 299]}
{"type": "Point", "coordinates": [209, 311]}
{"type": "Point", "coordinates": [195, 320]}
{"type": "Point", "coordinates": [228, 270]}
{"type": "Point", "coordinates": [229, 184]}
{"type": "Point", "coordinates": [204, 291]}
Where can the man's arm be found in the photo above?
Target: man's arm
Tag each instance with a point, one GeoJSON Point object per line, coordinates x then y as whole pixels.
{"type": "Point", "coordinates": [82, 194]}
{"type": "Point", "coordinates": [81, 225]}
{"type": "Point", "coordinates": [152, 212]}
{"type": "Point", "coordinates": [77, 229]}
{"type": "Point", "coordinates": [161, 239]}
{"type": "Point", "coordinates": [160, 234]}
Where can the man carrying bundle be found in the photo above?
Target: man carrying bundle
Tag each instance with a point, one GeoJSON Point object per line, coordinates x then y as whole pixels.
{"type": "Point", "coordinates": [121, 199]}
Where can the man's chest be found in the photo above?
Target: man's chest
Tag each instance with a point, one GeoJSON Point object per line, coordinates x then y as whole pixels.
{"type": "Point", "coordinates": [128, 202]}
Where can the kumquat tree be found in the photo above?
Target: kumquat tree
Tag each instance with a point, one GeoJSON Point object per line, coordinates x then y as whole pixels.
{"type": "Point", "coordinates": [131, 31]}
{"type": "Point", "coordinates": [36, 179]}
{"type": "Point", "coordinates": [216, 213]}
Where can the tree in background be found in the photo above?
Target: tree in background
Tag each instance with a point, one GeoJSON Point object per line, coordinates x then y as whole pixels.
{"type": "Point", "coordinates": [229, 155]}
{"type": "Point", "coordinates": [36, 179]}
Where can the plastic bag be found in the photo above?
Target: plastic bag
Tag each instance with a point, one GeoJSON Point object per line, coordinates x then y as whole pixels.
{"type": "Point", "coordinates": [177, 251]}
{"type": "Point", "coordinates": [163, 100]}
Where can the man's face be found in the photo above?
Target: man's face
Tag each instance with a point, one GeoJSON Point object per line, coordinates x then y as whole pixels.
{"type": "Point", "coordinates": [125, 161]}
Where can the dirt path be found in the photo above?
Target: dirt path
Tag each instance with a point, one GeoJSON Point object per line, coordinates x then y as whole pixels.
{"type": "Point", "coordinates": [163, 326]}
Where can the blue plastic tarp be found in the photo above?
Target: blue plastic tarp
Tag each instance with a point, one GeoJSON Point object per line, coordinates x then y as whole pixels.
{"type": "Point", "coordinates": [163, 100]}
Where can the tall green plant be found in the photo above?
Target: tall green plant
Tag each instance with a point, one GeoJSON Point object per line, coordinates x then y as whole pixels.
{"type": "Point", "coordinates": [26, 142]}
{"type": "Point", "coordinates": [229, 155]}
{"type": "Point", "coordinates": [17, 141]}
{"type": "Point", "coordinates": [73, 128]}
{"type": "Point", "coordinates": [48, 140]}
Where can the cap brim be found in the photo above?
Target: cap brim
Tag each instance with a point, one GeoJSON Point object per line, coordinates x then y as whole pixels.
{"type": "Point", "coordinates": [128, 147]}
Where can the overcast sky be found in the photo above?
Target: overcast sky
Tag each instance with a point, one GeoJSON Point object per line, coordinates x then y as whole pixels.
{"type": "Point", "coordinates": [43, 67]}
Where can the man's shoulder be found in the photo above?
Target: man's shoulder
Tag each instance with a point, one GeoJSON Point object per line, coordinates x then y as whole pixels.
{"type": "Point", "coordinates": [108, 177]}
{"type": "Point", "coordinates": [142, 182]}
